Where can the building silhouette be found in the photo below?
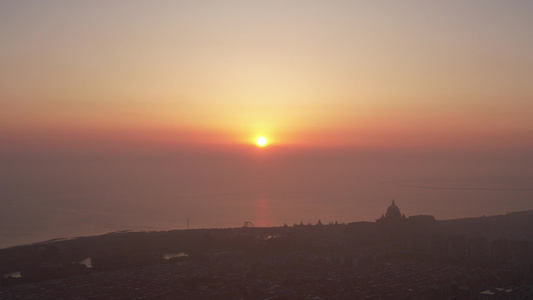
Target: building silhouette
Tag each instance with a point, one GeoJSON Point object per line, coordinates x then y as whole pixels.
{"type": "Point", "coordinates": [392, 216]}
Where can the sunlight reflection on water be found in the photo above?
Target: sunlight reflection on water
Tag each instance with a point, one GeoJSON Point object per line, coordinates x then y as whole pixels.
{"type": "Point", "coordinates": [262, 214]}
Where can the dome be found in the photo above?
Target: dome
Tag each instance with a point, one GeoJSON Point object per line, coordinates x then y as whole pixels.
{"type": "Point", "coordinates": [393, 212]}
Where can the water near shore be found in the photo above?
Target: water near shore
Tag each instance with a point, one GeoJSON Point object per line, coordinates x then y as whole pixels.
{"type": "Point", "coordinates": [46, 196]}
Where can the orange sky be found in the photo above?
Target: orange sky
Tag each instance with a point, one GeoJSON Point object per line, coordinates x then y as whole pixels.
{"type": "Point", "coordinates": [336, 74]}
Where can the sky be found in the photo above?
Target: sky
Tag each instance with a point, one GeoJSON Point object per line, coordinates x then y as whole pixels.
{"type": "Point", "coordinates": [302, 73]}
{"type": "Point", "coordinates": [120, 115]}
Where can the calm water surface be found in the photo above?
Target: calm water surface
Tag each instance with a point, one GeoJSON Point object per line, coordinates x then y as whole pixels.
{"type": "Point", "coordinates": [46, 196]}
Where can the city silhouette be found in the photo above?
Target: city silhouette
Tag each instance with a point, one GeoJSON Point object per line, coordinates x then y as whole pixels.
{"type": "Point", "coordinates": [396, 257]}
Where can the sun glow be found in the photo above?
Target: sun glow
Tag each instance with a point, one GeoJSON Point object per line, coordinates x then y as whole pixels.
{"type": "Point", "coordinates": [261, 141]}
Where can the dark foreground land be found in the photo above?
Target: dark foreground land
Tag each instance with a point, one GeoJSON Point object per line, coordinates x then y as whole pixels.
{"type": "Point", "coordinates": [415, 258]}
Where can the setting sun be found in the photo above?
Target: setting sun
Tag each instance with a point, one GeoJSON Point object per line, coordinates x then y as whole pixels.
{"type": "Point", "coordinates": [261, 141]}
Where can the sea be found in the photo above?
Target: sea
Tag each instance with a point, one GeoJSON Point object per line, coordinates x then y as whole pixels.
{"type": "Point", "coordinates": [48, 195]}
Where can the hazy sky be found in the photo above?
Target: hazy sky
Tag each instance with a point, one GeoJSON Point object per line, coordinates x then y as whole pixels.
{"type": "Point", "coordinates": [143, 114]}
{"type": "Point", "coordinates": [309, 73]}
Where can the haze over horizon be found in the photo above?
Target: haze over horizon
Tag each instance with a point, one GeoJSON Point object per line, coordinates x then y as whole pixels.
{"type": "Point", "coordinates": [138, 115]}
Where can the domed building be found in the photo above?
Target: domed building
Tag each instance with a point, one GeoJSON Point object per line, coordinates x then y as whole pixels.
{"type": "Point", "coordinates": [393, 215]}
{"type": "Point", "coordinates": [393, 212]}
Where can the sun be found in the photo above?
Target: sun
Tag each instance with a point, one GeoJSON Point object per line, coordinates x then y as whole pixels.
{"type": "Point", "coordinates": [261, 141]}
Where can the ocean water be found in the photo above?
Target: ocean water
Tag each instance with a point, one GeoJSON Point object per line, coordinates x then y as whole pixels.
{"type": "Point", "coordinates": [60, 194]}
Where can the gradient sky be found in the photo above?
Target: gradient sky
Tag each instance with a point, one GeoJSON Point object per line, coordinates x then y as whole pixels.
{"type": "Point", "coordinates": [308, 73]}
{"type": "Point", "coordinates": [118, 115]}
